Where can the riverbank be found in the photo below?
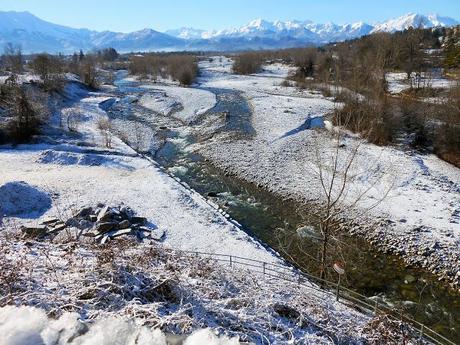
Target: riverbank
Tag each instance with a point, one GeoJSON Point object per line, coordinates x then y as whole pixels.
{"type": "Point", "coordinates": [419, 220]}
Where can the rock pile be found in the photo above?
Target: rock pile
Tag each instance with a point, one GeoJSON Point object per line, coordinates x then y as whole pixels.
{"type": "Point", "coordinates": [103, 223]}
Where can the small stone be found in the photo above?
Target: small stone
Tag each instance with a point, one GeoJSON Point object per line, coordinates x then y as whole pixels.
{"type": "Point", "coordinates": [138, 220]}
{"type": "Point", "coordinates": [104, 214]}
{"type": "Point", "coordinates": [286, 311]}
{"type": "Point", "coordinates": [127, 212]}
{"type": "Point", "coordinates": [92, 218]}
{"type": "Point", "coordinates": [58, 227]}
{"type": "Point", "coordinates": [408, 279]}
{"type": "Point", "coordinates": [34, 231]}
{"type": "Point", "coordinates": [84, 212]}
{"type": "Point", "coordinates": [124, 224]}
{"type": "Point", "coordinates": [118, 233]}
{"type": "Point", "coordinates": [51, 220]}
{"type": "Point", "coordinates": [105, 239]}
{"type": "Point", "coordinates": [104, 227]}
{"type": "Point", "coordinates": [90, 234]}
{"type": "Point", "coordinates": [157, 234]}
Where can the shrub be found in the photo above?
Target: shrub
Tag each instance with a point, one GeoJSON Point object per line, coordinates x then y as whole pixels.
{"type": "Point", "coordinates": [180, 67]}
{"type": "Point", "coordinates": [371, 119]}
{"type": "Point", "coordinates": [247, 63]}
{"type": "Point", "coordinates": [50, 69]}
{"type": "Point", "coordinates": [24, 112]}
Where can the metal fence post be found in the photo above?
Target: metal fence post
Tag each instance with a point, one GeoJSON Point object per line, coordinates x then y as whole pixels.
{"type": "Point", "coordinates": [263, 267]}
{"type": "Point", "coordinates": [421, 331]}
{"type": "Point", "coordinates": [338, 289]}
{"type": "Point", "coordinates": [231, 264]}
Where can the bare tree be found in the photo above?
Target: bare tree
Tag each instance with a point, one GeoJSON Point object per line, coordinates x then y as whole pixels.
{"type": "Point", "coordinates": [72, 118]}
{"type": "Point", "coordinates": [105, 127]}
{"type": "Point", "coordinates": [26, 109]}
{"type": "Point", "coordinates": [88, 71]}
{"type": "Point", "coordinates": [49, 68]}
{"type": "Point", "coordinates": [350, 185]}
{"type": "Point", "coordinates": [411, 54]}
{"type": "Point", "coordinates": [13, 57]}
{"type": "Point", "coordinates": [341, 170]}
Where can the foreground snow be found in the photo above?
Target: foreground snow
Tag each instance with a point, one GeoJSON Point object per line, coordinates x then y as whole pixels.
{"type": "Point", "coordinates": [37, 329]}
{"type": "Point", "coordinates": [126, 292]}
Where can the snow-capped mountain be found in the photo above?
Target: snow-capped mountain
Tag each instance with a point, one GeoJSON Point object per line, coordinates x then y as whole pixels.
{"type": "Point", "coordinates": [186, 33]}
{"type": "Point", "coordinates": [317, 33]}
{"type": "Point", "coordinates": [36, 35]}
{"type": "Point", "coordinates": [416, 21]}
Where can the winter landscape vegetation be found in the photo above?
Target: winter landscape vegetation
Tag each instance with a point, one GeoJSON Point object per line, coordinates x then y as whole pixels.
{"type": "Point", "coordinates": [281, 182]}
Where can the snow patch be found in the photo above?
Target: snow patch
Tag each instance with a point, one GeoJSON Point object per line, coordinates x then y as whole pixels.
{"type": "Point", "coordinates": [23, 200]}
{"type": "Point", "coordinates": [206, 337]}
{"type": "Point", "coordinates": [195, 102]}
{"type": "Point", "coordinates": [28, 325]}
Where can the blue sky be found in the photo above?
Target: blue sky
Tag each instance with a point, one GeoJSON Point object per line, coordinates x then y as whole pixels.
{"type": "Point", "coordinates": [214, 14]}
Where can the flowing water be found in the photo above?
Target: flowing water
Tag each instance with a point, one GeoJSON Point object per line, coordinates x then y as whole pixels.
{"type": "Point", "coordinates": [380, 276]}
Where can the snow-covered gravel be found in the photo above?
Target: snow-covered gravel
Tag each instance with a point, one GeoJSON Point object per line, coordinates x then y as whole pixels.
{"type": "Point", "coordinates": [185, 104]}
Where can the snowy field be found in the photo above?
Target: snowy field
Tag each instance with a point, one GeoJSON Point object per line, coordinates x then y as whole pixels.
{"type": "Point", "coordinates": [397, 82]}
{"type": "Point", "coordinates": [81, 175]}
{"type": "Point", "coordinates": [422, 210]}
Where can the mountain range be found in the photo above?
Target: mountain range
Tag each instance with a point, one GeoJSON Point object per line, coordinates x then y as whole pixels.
{"type": "Point", "coordinates": [37, 35]}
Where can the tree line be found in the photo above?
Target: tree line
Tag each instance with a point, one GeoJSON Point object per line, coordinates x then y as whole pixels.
{"type": "Point", "coordinates": [24, 98]}
{"type": "Point", "coordinates": [180, 67]}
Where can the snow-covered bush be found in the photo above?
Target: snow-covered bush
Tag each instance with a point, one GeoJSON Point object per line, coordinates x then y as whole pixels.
{"type": "Point", "coordinates": [140, 288]}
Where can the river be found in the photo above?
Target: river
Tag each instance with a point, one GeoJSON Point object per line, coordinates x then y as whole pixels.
{"type": "Point", "coordinates": [380, 276]}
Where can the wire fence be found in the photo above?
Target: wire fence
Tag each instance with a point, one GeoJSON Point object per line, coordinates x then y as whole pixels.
{"type": "Point", "coordinates": [320, 287]}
